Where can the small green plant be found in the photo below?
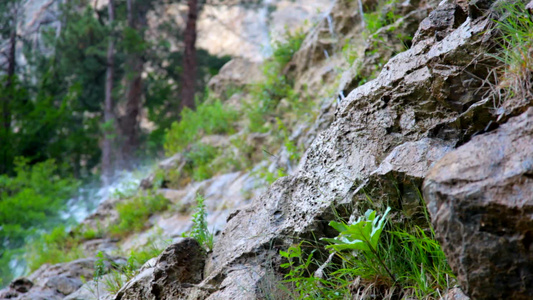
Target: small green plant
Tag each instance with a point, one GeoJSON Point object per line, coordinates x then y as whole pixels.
{"type": "Point", "coordinates": [134, 212]}
{"type": "Point", "coordinates": [387, 256]}
{"type": "Point", "coordinates": [270, 177]}
{"type": "Point", "coordinates": [362, 235]}
{"type": "Point", "coordinates": [208, 118]}
{"type": "Point", "coordinates": [292, 148]}
{"type": "Point", "coordinates": [349, 52]}
{"type": "Point", "coordinates": [199, 230]}
{"type": "Point", "coordinates": [99, 271]}
{"type": "Point", "coordinates": [301, 284]}
{"type": "Point", "coordinates": [137, 257]}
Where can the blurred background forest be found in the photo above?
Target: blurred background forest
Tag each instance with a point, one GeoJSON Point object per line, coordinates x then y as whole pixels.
{"type": "Point", "coordinates": [88, 90]}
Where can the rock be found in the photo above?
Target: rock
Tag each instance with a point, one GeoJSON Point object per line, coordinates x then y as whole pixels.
{"type": "Point", "coordinates": [234, 75]}
{"type": "Point", "coordinates": [21, 285]}
{"type": "Point", "coordinates": [51, 282]}
{"type": "Point", "coordinates": [440, 22]}
{"type": "Point", "coordinates": [92, 290]}
{"type": "Point", "coordinates": [408, 111]}
{"type": "Point", "coordinates": [63, 284]}
{"type": "Point", "coordinates": [455, 294]}
{"type": "Point", "coordinates": [477, 8]}
{"type": "Point", "coordinates": [177, 269]}
{"type": "Point", "coordinates": [529, 7]}
{"type": "Point", "coordinates": [480, 197]}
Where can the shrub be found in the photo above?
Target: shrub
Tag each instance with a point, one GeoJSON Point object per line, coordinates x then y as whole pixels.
{"type": "Point", "coordinates": [199, 159]}
{"type": "Point", "coordinates": [380, 17]}
{"type": "Point", "coordinates": [55, 247]}
{"type": "Point", "coordinates": [285, 49]}
{"type": "Point", "coordinates": [134, 212]}
{"type": "Point", "coordinates": [208, 118]}
{"type": "Point", "coordinates": [31, 200]}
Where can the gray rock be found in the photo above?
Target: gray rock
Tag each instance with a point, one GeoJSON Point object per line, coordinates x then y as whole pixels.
{"type": "Point", "coordinates": [55, 281]}
{"type": "Point", "coordinates": [440, 22]}
{"type": "Point", "coordinates": [176, 270]}
{"type": "Point", "coordinates": [21, 285]}
{"type": "Point", "coordinates": [64, 284]}
{"type": "Point", "coordinates": [409, 107]}
{"type": "Point", "coordinates": [480, 197]}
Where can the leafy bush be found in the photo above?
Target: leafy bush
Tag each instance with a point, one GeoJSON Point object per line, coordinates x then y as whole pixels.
{"type": "Point", "coordinates": [199, 160]}
{"type": "Point", "coordinates": [30, 201]}
{"type": "Point", "coordinates": [285, 49]}
{"type": "Point", "coordinates": [133, 213]}
{"type": "Point", "coordinates": [52, 248]}
{"type": "Point", "coordinates": [208, 118]}
{"type": "Point", "coordinates": [380, 17]}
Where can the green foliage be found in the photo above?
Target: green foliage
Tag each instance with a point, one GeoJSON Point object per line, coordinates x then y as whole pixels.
{"type": "Point", "coordinates": [52, 248]}
{"type": "Point", "coordinates": [403, 261]}
{"type": "Point", "coordinates": [267, 94]}
{"type": "Point", "coordinates": [208, 118]}
{"type": "Point", "coordinates": [294, 152]}
{"type": "Point", "coordinates": [199, 230]}
{"type": "Point", "coordinates": [285, 49]}
{"type": "Point", "coordinates": [302, 286]}
{"type": "Point", "coordinates": [348, 52]}
{"type": "Point", "coordinates": [199, 161]}
{"type": "Point", "coordinates": [516, 44]}
{"type": "Point", "coordinates": [99, 271]}
{"type": "Point", "coordinates": [270, 177]}
{"type": "Point", "coordinates": [31, 200]}
{"type": "Point", "coordinates": [380, 17]}
{"type": "Point", "coordinates": [362, 234]}
{"type": "Point", "coordinates": [99, 266]}
{"type": "Point", "coordinates": [134, 212]}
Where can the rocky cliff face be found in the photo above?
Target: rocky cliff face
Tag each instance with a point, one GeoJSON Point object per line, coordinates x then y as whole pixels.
{"type": "Point", "coordinates": [426, 118]}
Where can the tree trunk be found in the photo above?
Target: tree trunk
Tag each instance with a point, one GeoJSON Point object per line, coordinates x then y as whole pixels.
{"type": "Point", "coordinates": [189, 58]}
{"type": "Point", "coordinates": [129, 123]}
{"type": "Point", "coordinates": [7, 160]}
{"type": "Point", "coordinates": [107, 147]}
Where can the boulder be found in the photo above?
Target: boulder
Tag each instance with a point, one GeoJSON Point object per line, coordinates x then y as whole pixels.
{"type": "Point", "coordinates": [55, 281]}
{"type": "Point", "coordinates": [176, 270]}
{"type": "Point", "coordinates": [480, 197]}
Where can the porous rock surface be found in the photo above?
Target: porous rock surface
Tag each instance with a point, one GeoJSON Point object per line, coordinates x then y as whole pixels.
{"type": "Point", "coordinates": [174, 272]}
{"type": "Point", "coordinates": [418, 108]}
{"type": "Point", "coordinates": [480, 197]}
